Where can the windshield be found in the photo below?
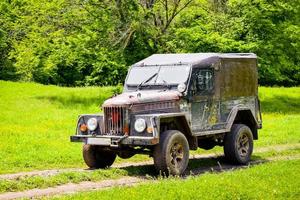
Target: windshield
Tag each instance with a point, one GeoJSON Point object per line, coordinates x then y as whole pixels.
{"type": "Point", "coordinates": [165, 74]}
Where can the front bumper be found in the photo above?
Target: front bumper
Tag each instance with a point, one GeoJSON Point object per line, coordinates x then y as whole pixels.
{"type": "Point", "coordinates": [114, 141]}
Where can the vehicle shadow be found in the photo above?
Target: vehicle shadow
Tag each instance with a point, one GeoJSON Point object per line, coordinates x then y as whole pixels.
{"type": "Point", "coordinates": [218, 164]}
{"type": "Point", "coordinates": [196, 166]}
{"type": "Point", "coordinates": [71, 101]}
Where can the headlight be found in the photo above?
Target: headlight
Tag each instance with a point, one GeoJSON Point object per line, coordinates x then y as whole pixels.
{"type": "Point", "coordinates": [92, 124]}
{"type": "Point", "coordinates": [181, 87]}
{"type": "Point", "coordinates": [140, 125]}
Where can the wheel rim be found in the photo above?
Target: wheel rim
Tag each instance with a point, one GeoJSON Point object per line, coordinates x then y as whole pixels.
{"type": "Point", "coordinates": [243, 145]}
{"type": "Point", "coordinates": [176, 154]}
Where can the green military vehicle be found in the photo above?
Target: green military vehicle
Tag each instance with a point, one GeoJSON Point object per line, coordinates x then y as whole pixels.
{"type": "Point", "coordinates": [173, 103]}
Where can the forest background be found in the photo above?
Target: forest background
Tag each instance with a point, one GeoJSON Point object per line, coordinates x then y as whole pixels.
{"type": "Point", "coordinates": [92, 42]}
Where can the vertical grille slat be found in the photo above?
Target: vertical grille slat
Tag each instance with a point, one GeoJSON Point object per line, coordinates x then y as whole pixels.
{"type": "Point", "coordinates": [114, 120]}
{"type": "Point", "coordinates": [110, 121]}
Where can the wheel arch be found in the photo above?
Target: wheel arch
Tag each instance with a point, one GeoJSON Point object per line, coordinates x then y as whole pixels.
{"type": "Point", "coordinates": [180, 123]}
{"type": "Point", "coordinates": [245, 116]}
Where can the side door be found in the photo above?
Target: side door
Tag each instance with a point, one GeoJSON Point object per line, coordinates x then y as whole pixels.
{"type": "Point", "coordinates": [201, 91]}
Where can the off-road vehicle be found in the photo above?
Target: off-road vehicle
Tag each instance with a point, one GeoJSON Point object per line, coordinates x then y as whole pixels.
{"type": "Point", "coordinates": [173, 103]}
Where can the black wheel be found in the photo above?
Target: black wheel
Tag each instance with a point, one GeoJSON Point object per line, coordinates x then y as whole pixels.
{"type": "Point", "coordinates": [171, 155]}
{"type": "Point", "coordinates": [238, 144]}
{"type": "Point", "coordinates": [95, 157]}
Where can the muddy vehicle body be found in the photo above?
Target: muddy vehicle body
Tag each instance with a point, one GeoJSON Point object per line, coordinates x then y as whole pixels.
{"type": "Point", "coordinates": [173, 103]}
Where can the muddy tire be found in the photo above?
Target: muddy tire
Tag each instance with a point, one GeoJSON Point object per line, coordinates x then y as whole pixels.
{"type": "Point", "coordinates": [238, 144]}
{"type": "Point", "coordinates": [95, 157]}
{"type": "Point", "coordinates": [171, 155]}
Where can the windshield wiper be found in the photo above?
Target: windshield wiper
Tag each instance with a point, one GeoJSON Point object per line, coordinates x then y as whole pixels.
{"type": "Point", "coordinates": [146, 81]}
{"type": "Point", "coordinates": [166, 84]}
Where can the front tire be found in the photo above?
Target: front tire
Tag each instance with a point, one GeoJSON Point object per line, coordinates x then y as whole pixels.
{"type": "Point", "coordinates": [171, 155]}
{"type": "Point", "coordinates": [95, 157]}
{"type": "Point", "coordinates": [238, 144]}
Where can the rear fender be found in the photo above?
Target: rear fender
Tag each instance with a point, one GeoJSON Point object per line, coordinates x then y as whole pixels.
{"type": "Point", "coordinates": [244, 116]}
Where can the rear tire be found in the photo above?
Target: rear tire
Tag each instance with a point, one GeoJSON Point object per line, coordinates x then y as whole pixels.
{"type": "Point", "coordinates": [171, 155]}
{"type": "Point", "coordinates": [95, 157]}
{"type": "Point", "coordinates": [238, 144]}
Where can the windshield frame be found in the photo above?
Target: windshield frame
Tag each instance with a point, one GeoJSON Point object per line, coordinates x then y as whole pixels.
{"type": "Point", "coordinates": [151, 84]}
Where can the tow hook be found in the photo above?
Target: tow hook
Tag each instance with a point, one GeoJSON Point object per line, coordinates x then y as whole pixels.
{"type": "Point", "coordinates": [117, 142]}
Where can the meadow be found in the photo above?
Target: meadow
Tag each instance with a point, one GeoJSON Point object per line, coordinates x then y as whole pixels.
{"type": "Point", "coordinates": [279, 180]}
{"type": "Point", "coordinates": [37, 120]}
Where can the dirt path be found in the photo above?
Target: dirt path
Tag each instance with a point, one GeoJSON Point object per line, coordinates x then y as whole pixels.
{"type": "Point", "coordinates": [52, 172]}
{"type": "Point", "coordinates": [71, 188]}
{"type": "Point", "coordinates": [125, 181]}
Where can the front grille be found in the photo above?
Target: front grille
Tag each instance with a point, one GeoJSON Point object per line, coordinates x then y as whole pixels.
{"type": "Point", "coordinates": [115, 120]}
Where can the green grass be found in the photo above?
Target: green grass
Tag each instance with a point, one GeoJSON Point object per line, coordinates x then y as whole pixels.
{"type": "Point", "coordinates": [281, 116]}
{"type": "Point", "coordinates": [31, 182]}
{"type": "Point", "coordinates": [278, 180]}
{"type": "Point", "coordinates": [36, 122]}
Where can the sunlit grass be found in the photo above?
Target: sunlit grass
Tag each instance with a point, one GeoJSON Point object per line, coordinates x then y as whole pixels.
{"type": "Point", "coordinates": [36, 122]}
{"type": "Point", "coordinates": [278, 180]}
{"type": "Point", "coordinates": [40, 181]}
{"type": "Point", "coordinates": [281, 116]}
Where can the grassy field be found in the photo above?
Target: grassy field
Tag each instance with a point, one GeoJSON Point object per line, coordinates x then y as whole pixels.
{"type": "Point", "coordinates": [36, 122]}
{"type": "Point", "coordinates": [279, 180]}
{"type": "Point", "coordinates": [40, 181]}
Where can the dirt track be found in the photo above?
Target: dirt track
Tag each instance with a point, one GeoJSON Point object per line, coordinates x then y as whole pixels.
{"type": "Point", "coordinates": [132, 180]}
{"type": "Point", "coordinates": [125, 181]}
{"type": "Point", "coordinates": [52, 172]}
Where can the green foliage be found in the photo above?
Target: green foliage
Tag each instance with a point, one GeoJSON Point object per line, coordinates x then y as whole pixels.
{"type": "Point", "coordinates": [274, 27]}
{"type": "Point", "coordinates": [75, 43]}
{"type": "Point", "coordinates": [7, 70]}
{"type": "Point", "coordinates": [268, 28]}
{"type": "Point", "coordinates": [56, 43]}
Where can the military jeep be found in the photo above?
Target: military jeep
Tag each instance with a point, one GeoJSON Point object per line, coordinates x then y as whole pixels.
{"type": "Point", "coordinates": [173, 103]}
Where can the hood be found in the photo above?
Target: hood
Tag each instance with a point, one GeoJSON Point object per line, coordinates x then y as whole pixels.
{"type": "Point", "coordinates": [128, 98]}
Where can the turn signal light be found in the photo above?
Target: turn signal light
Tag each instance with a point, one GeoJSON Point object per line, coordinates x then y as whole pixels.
{"type": "Point", "coordinates": [126, 130]}
{"type": "Point", "coordinates": [150, 130]}
{"type": "Point", "coordinates": [83, 128]}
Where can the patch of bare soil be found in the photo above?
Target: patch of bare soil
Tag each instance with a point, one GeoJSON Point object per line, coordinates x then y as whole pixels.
{"type": "Point", "coordinates": [71, 188]}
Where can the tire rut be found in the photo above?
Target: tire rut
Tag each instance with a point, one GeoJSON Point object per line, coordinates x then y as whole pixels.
{"type": "Point", "coordinates": [71, 188]}
{"type": "Point", "coordinates": [52, 172]}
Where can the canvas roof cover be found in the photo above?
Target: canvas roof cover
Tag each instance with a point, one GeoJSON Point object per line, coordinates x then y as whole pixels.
{"type": "Point", "coordinates": [189, 58]}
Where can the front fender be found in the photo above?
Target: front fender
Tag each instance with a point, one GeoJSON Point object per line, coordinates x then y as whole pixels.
{"type": "Point", "coordinates": [180, 121]}
{"type": "Point", "coordinates": [154, 121]}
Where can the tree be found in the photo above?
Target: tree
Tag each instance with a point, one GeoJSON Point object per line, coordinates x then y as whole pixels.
{"type": "Point", "coordinates": [91, 42]}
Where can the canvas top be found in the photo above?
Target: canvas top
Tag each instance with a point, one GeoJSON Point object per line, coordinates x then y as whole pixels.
{"type": "Point", "coordinates": [190, 58]}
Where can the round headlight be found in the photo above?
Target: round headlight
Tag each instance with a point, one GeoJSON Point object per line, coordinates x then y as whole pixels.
{"type": "Point", "coordinates": [92, 124]}
{"type": "Point", "coordinates": [140, 125]}
{"type": "Point", "coordinates": [181, 87]}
